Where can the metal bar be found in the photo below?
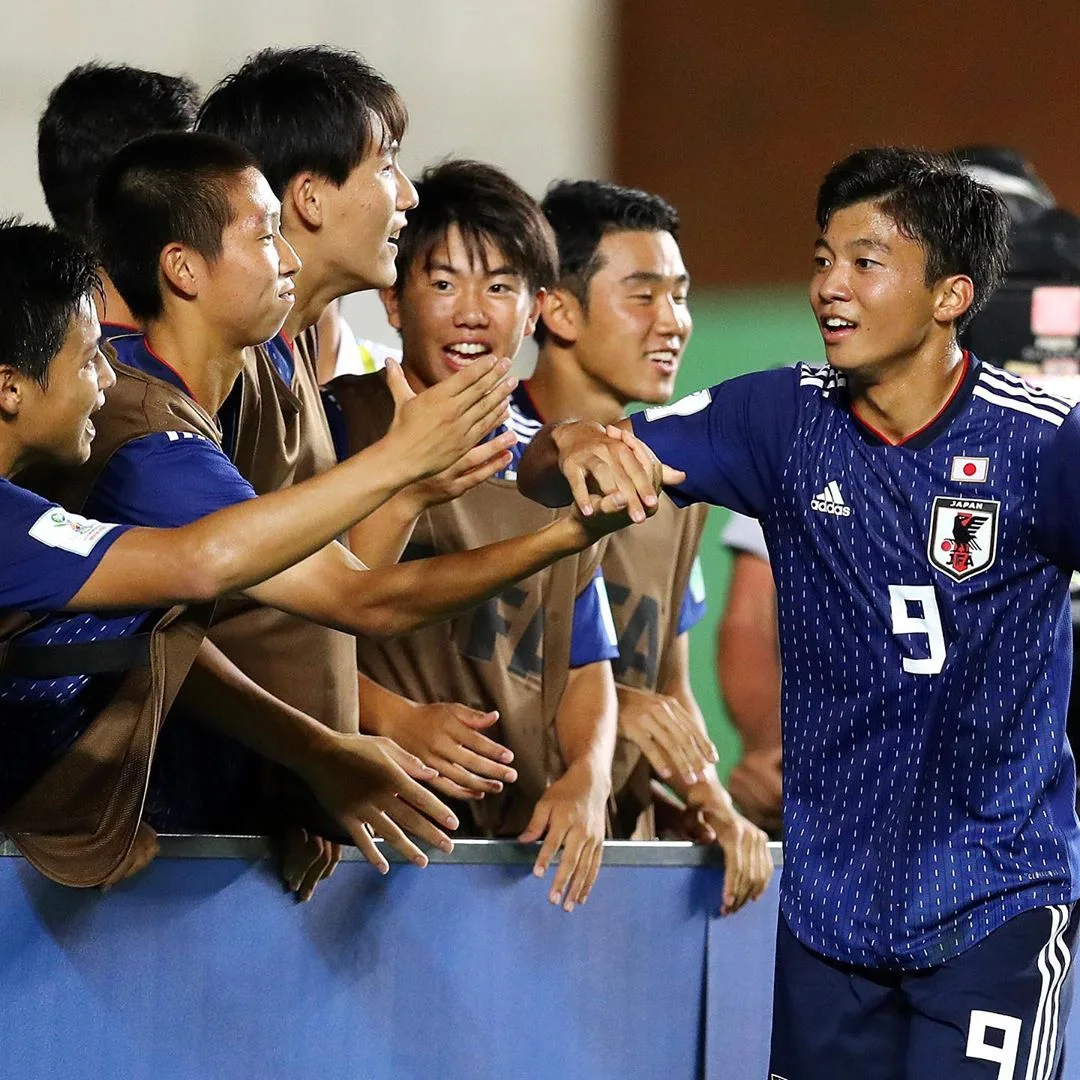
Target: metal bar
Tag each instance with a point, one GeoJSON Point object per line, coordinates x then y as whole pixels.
{"type": "Point", "coordinates": [465, 853]}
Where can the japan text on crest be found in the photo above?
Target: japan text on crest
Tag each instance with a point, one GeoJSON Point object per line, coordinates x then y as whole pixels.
{"type": "Point", "coordinates": [963, 536]}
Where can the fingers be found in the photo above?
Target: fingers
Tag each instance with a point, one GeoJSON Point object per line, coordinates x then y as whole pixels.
{"type": "Point", "coordinates": [326, 858]}
{"type": "Point", "coordinates": [487, 413]}
{"type": "Point", "coordinates": [476, 785]}
{"type": "Point", "coordinates": [398, 385]}
{"type": "Point", "coordinates": [410, 763]}
{"type": "Point", "coordinates": [588, 870]}
{"type": "Point", "coordinates": [385, 827]}
{"type": "Point", "coordinates": [574, 846]}
{"type": "Point", "coordinates": [449, 788]}
{"type": "Point", "coordinates": [548, 850]}
{"type": "Point", "coordinates": [487, 760]}
{"type": "Point", "coordinates": [578, 481]}
{"type": "Point", "coordinates": [482, 456]}
{"type": "Point", "coordinates": [670, 477]}
{"type": "Point", "coordinates": [417, 825]}
{"type": "Point", "coordinates": [478, 720]}
{"type": "Point", "coordinates": [537, 824]}
{"type": "Point", "coordinates": [367, 847]}
{"type": "Point", "coordinates": [419, 798]}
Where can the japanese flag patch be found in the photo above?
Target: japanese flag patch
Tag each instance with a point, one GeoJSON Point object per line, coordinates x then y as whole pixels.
{"type": "Point", "coordinates": [56, 528]}
{"type": "Point", "coordinates": [970, 470]}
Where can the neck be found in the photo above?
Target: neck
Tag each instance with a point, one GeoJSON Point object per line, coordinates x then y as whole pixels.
{"type": "Point", "coordinates": [316, 285]}
{"type": "Point", "coordinates": [13, 456]}
{"type": "Point", "coordinates": [561, 389]}
{"type": "Point", "coordinates": [208, 366]}
{"type": "Point", "coordinates": [113, 309]}
{"type": "Point", "coordinates": [900, 399]}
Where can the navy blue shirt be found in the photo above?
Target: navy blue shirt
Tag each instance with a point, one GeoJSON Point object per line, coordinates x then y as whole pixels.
{"type": "Point", "coordinates": [49, 554]}
{"type": "Point", "coordinates": [926, 644]}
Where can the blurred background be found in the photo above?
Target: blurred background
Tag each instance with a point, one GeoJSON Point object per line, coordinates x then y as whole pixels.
{"type": "Point", "coordinates": [731, 111]}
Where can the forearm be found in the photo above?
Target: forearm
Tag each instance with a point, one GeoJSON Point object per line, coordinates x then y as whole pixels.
{"type": "Point", "coordinates": [587, 720]}
{"type": "Point", "coordinates": [223, 698]}
{"type": "Point", "coordinates": [380, 538]}
{"type": "Point", "coordinates": [338, 591]}
{"type": "Point", "coordinates": [749, 674]}
{"type": "Point", "coordinates": [379, 706]}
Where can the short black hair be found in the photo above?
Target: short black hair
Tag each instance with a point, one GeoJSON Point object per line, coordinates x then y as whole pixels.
{"type": "Point", "coordinates": [47, 274]}
{"type": "Point", "coordinates": [172, 187]}
{"type": "Point", "coordinates": [583, 212]}
{"type": "Point", "coordinates": [91, 113]}
{"type": "Point", "coordinates": [486, 205]}
{"type": "Point", "coordinates": [961, 225]}
{"type": "Point", "coordinates": [302, 109]}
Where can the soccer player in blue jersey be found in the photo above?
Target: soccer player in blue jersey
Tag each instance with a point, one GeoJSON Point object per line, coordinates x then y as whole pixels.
{"type": "Point", "coordinates": [92, 112]}
{"type": "Point", "coordinates": [923, 516]}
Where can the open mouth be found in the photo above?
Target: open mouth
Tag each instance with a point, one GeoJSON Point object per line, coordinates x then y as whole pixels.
{"type": "Point", "coordinates": [667, 360]}
{"type": "Point", "coordinates": [835, 329]}
{"type": "Point", "coordinates": [462, 353]}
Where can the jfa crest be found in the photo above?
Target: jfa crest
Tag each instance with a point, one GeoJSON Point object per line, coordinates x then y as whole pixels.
{"type": "Point", "coordinates": [963, 536]}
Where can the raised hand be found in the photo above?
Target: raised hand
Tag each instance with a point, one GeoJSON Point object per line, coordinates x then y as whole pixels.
{"type": "Point", "coordinates": [661, 728]}
{"type": "Point", "coordinates": [437, 427]}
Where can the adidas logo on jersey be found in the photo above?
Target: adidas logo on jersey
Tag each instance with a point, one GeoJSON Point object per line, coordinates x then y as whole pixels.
{"type": "Point", "coordinates": [830, 501]}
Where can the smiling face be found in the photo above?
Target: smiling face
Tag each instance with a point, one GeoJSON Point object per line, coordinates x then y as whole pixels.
{"type": "Point", "coordinates": [55, 424]}
{"type": "Point", "coordinates": [362, 218]}
{"type": "Point", "coordinates": [462, 305]}
{"type": "Point", "coordinates": [634, 331]}
{"type": "Point", "coordinates": [870, 296]}
{"type": "Point", "coordinates": [249, 288]}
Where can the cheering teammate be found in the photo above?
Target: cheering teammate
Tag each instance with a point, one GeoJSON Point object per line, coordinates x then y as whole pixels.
{"type": "Point", "coordinates": [922, 515]}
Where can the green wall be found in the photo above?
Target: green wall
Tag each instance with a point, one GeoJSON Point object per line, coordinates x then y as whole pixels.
{"type": "Point", "coordinates": [735, 332]}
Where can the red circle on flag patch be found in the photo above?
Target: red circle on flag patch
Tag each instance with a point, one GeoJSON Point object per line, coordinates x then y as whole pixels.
{"type": "Point", "coordinates": [969, 469]}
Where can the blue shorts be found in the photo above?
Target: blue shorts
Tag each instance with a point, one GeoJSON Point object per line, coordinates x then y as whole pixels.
{"type": "Point", "coordinates": [995, 1012]}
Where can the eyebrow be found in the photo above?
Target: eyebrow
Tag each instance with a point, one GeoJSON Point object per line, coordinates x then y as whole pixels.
{"type": "Point", "coordinates": [647, 277]}
{"type": "Point", "coordinates": [863, 242]}
{"type": "Point", "coordinates": [494, 271]}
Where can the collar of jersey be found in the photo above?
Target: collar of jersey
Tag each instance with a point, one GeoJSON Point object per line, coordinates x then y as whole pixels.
{"type": "Point", "coordinates": [522, 401]}
{"type": "Point", "coordinates": [919, 440]}
{"type": "Point", "coordinates": [134, 351]}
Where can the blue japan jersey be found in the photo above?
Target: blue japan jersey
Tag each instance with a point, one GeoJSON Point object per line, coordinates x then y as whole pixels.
{"type": "Point", "coordinates": [926, 644]}
{"type": "Point", "coordinates": [160, 480]}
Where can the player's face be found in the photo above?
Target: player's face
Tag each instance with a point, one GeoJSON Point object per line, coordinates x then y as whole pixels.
{"type": "Point", "coordinates": [362, 218]}
{"type": "Point", "coordinates": [250, 284]}
{"type": "Point", "coordinates": [869, 290]}
{"type": "Point", "coordinates": [454, 311]}
{"type": "Point", "coordinates": [637, 324]}
{"type": "Point", "coordinates": [59, 428]}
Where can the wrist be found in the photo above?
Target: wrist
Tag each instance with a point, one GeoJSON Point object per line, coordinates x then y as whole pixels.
{"type": "Point", "coordinates": [709, 793]}
{"type": "Point", "coordinates": [568, 535]}
{"type": "Point", "coordinates": [591, 774]}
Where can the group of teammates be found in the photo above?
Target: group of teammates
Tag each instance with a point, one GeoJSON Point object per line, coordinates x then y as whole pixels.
{"type": "Point", "coordinates": [222, 233]}
{"type": "Point", "coordinates": [932, 848]}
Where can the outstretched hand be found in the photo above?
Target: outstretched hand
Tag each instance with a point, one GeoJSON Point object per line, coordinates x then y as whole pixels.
{"type": "Point", "coordinates": [437, 427]}
{"type": "Point", "coordinates": [372, 787]}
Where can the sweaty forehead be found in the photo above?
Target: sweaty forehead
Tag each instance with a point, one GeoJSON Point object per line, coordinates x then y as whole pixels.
{"type": "Point", "coordinates": [624, 253]}
{"type": "Point", "coordinates": [863, 221]}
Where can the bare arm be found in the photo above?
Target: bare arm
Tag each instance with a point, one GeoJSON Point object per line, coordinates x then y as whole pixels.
{"type": "Point", "coordinates": [572, 812]}
{"type": "Point", "coordinates": [361, 780]}
{"type": "Point", "coordinates": [335, 589]}
{"type": "Point", "coordinates": [748, 668]}
{"type": "Point", "coordinates": [247, 543]}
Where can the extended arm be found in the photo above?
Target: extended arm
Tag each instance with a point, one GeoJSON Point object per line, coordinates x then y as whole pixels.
{"type": "Point", "coordinates": [243, 544]}
{"type": "Point", "coordinates": [572, 810]}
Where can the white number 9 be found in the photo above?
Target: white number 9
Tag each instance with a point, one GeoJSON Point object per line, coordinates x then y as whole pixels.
{"type": "Point", "coordinates": [929, 623]}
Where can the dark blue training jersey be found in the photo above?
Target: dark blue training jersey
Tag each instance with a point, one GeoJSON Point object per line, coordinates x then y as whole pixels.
{"type": "Point", "coordinates": [925, 638]}
{"type": "Point", "coordinates": [49, 555]}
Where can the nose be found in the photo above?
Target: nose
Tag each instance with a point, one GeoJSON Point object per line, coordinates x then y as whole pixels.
{"type": "Point", "coordinates": [832, 283]}
{"type": "Point", "coordinates": [672, 317]}
{"type": "Point", "coordinates": [105, 373]}
{"type": "Point", "coordinates": [288, 261]}
{"type": "Point", "coordinates": [469, 310]}
{"type": "Point", "coordinates": [407, 196]}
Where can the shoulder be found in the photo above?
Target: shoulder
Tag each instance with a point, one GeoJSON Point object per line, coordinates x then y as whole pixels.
{"type": "Point", "coordinates": [364, 405]}
{"type": "Point", "coordinates": [1007, 394]}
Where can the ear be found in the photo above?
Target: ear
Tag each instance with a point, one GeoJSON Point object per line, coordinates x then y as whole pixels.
{"type": "Point", "coordinates": [181, 268]}
{"type": "Point", "coordinates": [562, 314]}
{"type": "Point", "coordinates": [954, 296]}
{"type": "Point", "coordinates": [534, 312]}
{"type": "Point", "coordinates": [392, 303]}
{"type": "Point", "coordinates": [303, 200]}
{"type": "Point", "coordinates": [11, 391]}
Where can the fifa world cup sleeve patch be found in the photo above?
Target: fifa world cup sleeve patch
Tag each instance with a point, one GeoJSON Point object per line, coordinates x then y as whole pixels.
{"type": "Point", "coordinates": [56, 528]}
